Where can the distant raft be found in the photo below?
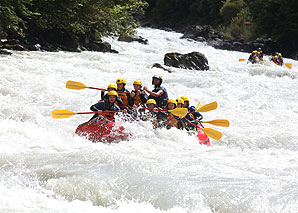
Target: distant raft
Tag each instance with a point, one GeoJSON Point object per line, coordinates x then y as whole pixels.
{"type": "Point", "coordinates": [102, 130]}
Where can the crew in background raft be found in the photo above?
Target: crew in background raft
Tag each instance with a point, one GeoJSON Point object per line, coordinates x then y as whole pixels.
{"type": "Point", "coordinates": [124, 94]}
{"type": "Point", "coordinates": [260, 54]}
{"type": "Point", "coordinates": [138, 95]}
{"type": "Point", "coordinates": [159, 93]}
{"type": "Point", "coordinates": [106, 105]}
{"type": "Point", "coordinates": [253, 58]}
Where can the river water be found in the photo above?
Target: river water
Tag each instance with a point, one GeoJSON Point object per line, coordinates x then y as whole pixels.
{"type": "Point", "coordinates": [44, 168]}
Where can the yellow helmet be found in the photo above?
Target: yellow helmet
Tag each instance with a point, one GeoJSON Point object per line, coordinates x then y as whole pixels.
{"type": "Point", "coordinates": [137, 82]}
{"type": "Point", "coordinates": [113, 93]}
{"type": "Point", "coordinates": [258, 52]}
{"type": "Point", "coordinates": [151, 101]}
{"type": "Point", "coordinates": [254, 51]}
{"type": "Point", "coordinates": [180, 101]}
{"type": "Point", "coordinates": [172, 101]}
{"type": "Point", "coordinates": [113, 86]}
{"type": "Point", "coordinates": [279, 54]}
{"type": "Point", "coordinates": [184, 98]}
{"type": "Point", "coordinates": [276, 56]}
{"type": "Point", "coordinates": [121, 81]}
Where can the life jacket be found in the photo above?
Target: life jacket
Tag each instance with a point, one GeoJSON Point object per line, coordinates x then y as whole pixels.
{"type": "Point", "coordinates": [109, 107]}
{"type": "Point", "coordinates": [123, 94]}
{"type": "Point", "coordinates": [137, 100]}
{"type": "Point", "coordinates": [161, 100]}
{"type": "Point", "coordinates": [280, 61]}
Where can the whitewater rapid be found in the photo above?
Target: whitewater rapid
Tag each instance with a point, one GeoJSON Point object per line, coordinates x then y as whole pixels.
{"type": "Point", "coordinates": [44, 168]}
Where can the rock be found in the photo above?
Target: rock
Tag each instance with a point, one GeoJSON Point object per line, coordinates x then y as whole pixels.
{"type": "Point", "coordinates": [139, 39]}
{"type": "Point", "coordinates": [5, 52]}
{"type": "Point", "coordinates": [14, 47]}
{"type": "Point", "coordinates": [157, 65]}
{"type": "Point", "coordinates": [197, 32]}
{"type": "Point", "coordinates": [101, 46]}
{"type": "Point", "coordinates": [193, 60]}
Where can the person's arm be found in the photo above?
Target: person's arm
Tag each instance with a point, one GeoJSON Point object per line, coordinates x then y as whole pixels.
{"type": "Point", "coordinates": [102, 94]}
{"type": "Point", "coordinates": [154, 94]}
{"type": "Point", "coordinates": [97, 107]}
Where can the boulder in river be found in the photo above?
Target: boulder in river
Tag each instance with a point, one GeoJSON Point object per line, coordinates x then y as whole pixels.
{"type": "Point", "coordinates": [193, 60]}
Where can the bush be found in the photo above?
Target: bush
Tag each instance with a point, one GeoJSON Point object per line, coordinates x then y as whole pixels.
{"type": "Point", "coordinates": [230, 9]}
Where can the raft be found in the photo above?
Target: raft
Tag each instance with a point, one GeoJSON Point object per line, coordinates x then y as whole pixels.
{"type": "Point", "coordinates": [102, 130]}
{"type": "Point", "coordinates": [202, 137]}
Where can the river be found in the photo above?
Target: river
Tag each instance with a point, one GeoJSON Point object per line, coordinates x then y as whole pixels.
{"type": "Point", "coordinates": [45, 168]}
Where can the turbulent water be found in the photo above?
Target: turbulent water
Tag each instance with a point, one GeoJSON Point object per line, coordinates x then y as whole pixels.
{"type": "Point", "coordinates": [44, 168]}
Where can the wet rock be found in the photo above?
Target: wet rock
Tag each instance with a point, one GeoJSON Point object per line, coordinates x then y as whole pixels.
{"type": "Point", "coordinates": [157, 65]}
{"type": "Point", "coordinates": [101, 46]}
{"type": "Point", "coordinates": [139, 39]}
{"type": "Point", "coordinates": [5, 52]}
{"type": "Point", "coordinates": [198, 33]}
{"type": "Point", "coordinates": [193, 60]}
{"type": "Point", "coordinates": [14, 47]}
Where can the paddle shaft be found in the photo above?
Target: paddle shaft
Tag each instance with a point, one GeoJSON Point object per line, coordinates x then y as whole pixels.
{"type": "Point", "coordinates": [106, 90]}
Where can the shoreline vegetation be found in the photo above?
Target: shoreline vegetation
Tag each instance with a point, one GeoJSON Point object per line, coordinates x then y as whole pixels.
{"type": "Point", "coordinates": [79, 25]}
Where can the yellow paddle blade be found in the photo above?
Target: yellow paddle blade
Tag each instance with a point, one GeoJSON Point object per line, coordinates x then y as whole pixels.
{"type": "Point", "coordinates": [288, 65]}
{"type": "Point", "coordinates": [180, 112]}
{"type": "Point", "coordinates": [241, 59]}
{"type": "Point", "coordinates": [218, 122]}
{"type": "Point", "coordinates": [75, 85]}
{"type": "Point", "coordinates": [208, 107]}
{"type": "Point", "coordinates": [198, 106]}
{"type": "Point", "coordinates": [62, 113]}
{"type": "Point", "coordinates": [212, 133]}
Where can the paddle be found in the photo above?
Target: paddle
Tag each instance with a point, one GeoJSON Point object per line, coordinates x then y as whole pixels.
{"type": "Point", "coordinates": [288, 65]}
{"type": "Point", "coordinates": [78, 86]}
{"type": "Point", "coordinates": [218, 122]}
{"type": "Point", "coordinates": [207, 107]}
{"type": "Point", "coordinates": [63, 113]}
{"type": "Point", "coordinates": [241, 59]}
{"type": "Point", "coordinates": [180, 112]}
{"type": "Point", "coordinates": [198, 106]}
{"type": "Point", "coordinates": [212, 133]}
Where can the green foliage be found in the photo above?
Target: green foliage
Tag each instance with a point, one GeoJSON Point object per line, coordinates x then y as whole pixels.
{"type": "Point", "coordinates": [230, 9]}
{"type": "Point", "coordinates": [237, 28]}
{"type": "Point", "coordinates": [98, 17]}
{"type": "Point", "coordinates": [13, 15]}
{"type": "Point", "coordinates": [205, 12]}
{"type": "Point", "coordinates": [277, 19]}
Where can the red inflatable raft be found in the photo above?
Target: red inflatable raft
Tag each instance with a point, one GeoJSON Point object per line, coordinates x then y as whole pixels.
{"type": "Point", "coordinates": [101, 130]}
{"type": "Point", "coordinates": [203, 138]}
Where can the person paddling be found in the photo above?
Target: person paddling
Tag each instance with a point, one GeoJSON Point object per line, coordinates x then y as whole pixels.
{"type": "Point", "coordinates": [280, 59]}
{"type": "Point", "coordinates": [253, 57]}
{"type": "Point", "coordinates": [260, 54]}
{"type": "Point", "coordinates": [106, 105]}
{"type": "Point", "coordinates": [111, 87]}
{"type": "Point", "coordinates": [138, 95]}
{"type": "Point", "coordinates": [124, 94]}
{"type": "Point", "coordinates": [191, 109]}
{"type": "Point", "coordinates": [159, 93]}
{"type": "Point", "coordinates": [156, 116]}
